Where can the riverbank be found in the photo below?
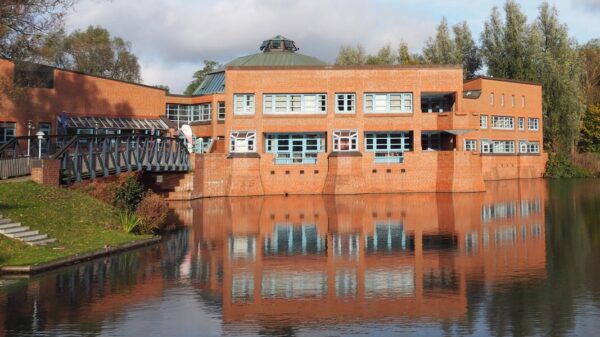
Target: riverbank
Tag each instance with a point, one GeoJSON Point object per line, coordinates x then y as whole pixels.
{"type": "Point", "coordinates": [80, 223]}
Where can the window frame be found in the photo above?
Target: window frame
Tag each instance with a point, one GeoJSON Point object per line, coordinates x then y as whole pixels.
{"type": "Point", "coordinates": [346, 97]}
{"type": "Point", "coordinates": [350, 135]}
{"type": "Point", "coordinates": [491, 98]}
{"type": "Point", "coordinates": [244, 104]}
{"type": "Point", "coordinates": [375, 97]}
{"type": "Point", "coordinates": [250, 137]}
{"type": "Point", "coordinates": [470, 145]}
{"type": "Point", "coordinates": [533, 126]}
{"type": "Point", "coordinates": [483, 122]}
{"type": "Point", "coordinates": [221, 110]}
{"type": "Point", "coordinates": [282, 146]}
{"type": "Point", "coordinates": [503, 122]}
{"type": "Point", "coordinates": [387, 150]}
{"type": "Point", "coordinates": [286, 104]}
{"type": "Point", "coordinates": [8, 131]}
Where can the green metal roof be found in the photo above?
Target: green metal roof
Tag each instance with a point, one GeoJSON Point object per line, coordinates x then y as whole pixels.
{"type": "Point", "coordinates": [275, 58]}
{"type": "Point", "coordinates": [276, 52]}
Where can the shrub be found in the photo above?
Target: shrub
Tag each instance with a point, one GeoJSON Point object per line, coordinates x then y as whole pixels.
{"type": "Point", "coordinates": [561, 166]}
{"type": "Point", "coordinates": [152, 211]}
{"type": "Point", "coordinates": [129, 221]}
{"type": "Point", "coordinates": [588, 161]}
{"type": "Point", "coordinates": [128, 193]}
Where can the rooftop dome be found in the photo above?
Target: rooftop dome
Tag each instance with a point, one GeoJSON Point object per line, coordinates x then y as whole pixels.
{"type": "Point", "coordinates": [277, 51]}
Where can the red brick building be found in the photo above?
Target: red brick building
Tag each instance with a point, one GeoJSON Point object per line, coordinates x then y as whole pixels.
{"type": "Point", "coordinates": [280, 122]}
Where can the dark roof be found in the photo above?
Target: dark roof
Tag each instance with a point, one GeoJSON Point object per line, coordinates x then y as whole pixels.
{"type": "Point", "coordinates": [212, 83]}
{"type": "Point", "coordinates": [489, 78]}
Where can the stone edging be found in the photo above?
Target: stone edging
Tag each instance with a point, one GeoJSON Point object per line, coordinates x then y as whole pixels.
{"type": "Point", "coordinates": [36, 268]}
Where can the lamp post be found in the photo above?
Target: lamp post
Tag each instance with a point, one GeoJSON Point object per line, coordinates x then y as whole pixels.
{"type": "Point", "coordinates": [40, 137]}
{"type": "Point", "coordinates": [29, 127]}
{"type": "Point", "coordinates": [96, 127]}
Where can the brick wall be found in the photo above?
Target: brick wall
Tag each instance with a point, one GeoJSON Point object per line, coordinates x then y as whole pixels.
{"type": "Point", "coordinates": [46, 171]}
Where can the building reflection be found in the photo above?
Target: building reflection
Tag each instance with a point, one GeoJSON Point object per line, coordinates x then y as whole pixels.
{"type": "Point", "coordinates": [302, 260]}
{"type": "Point", "coordinates": [366, 257]}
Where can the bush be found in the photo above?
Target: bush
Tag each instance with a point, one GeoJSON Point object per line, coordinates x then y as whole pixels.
{"type": "Point", "coordinates": [128, 193]}
{"type": "Point", "coordinates": [129, 221]}
{"type": "Point", "coordinates": [152, 211]}
{"type": "Point", "coordinates": [561, 166]}
{"type": "Point", "coordinates": [589, 161]}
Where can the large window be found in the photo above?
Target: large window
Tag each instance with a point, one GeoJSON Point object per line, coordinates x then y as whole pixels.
{"type": "Point", "coordinates": [242, 142]}
{"type": "Point", "coordinates": [243, 104]}
{"type": "Point", "coordinates": [533, 124]}
{"type": "Point", "coordinates": [295, 148]}
{"type": "Point", "coordinates": [431, 140]}
{"type": "Point", "coordinates": [503, 146]}
{"type": "Point", "coordinates": [345, 140]}
{"type": "Point", "coordinates": [503, 122]}
{"type": "Point", "coordinates": [483, 122]}
{"type": "Point", "coordinates": [183, 113]}
{"type": "Point", "coordinates": [345, 103]}
{"type": "Point", "coordinates": [274, 104]}
{"type": "Point", "coordinates": [221, 111]}
{"type": "Point", "coordinates": [497, 146]}
{"type": "Point", "coordinates": [393, 102]}
{"type": "Point", "coordinates": [470, 145]}
{"type": "Point", "coordinates": [7, 131]}
{"type": "Point", "coordinates": [529, 147]}
{"type": "Point", "coordinates": [389, 147]}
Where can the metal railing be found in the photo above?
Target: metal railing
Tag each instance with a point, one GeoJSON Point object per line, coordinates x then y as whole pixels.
{"type": "Point", "coordinates": [91, 156]}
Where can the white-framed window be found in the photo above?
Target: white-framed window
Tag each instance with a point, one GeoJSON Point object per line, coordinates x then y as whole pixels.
{"type": "Point", "coordinates": [491, 98]}
{"type": "Point", "coordinates": [502, 100]}
{"type": "Point", "coordinates": [275, 104]}
{"type": "Point", "coordinates": [523, 146]}
{"type": "Point", "coordinates": [242, 141]}
{"type": "Point", "coordinates": [483, 122]}
{"type": "Point", "coordinates": [521, 123]}
{"type": "Point", "coordinates": [503, 146]}
{"type": "Point", "coordinates": [503, 122]}
{"type": "Point", "coordinates": [389, 147]}
{"type": "Point", "coordinates": [185, 113]}
{"type": "Point", "coordinates": [243, 104]}
{"type": "Point", "coordinates": [390, 102]}
{"type": "Point", "coordinates": [345, 103]}
{"type": "Point", "coordinates": [512, 101]}
{"type": "Point", "coordinates": [470, 145]}
{"type": "Point", "coordinates": [523, 101]}
{"type": "Point", "coordinates": [486, 146]}
{"type": "Point", "coordinates": [345, 140]}
{"type": "Point", "coordinates": [533, 147]}
{"type": "Point", "coordinates": [8, 131]}
{"type": "Point", "coordinates": [221, 111]}
{"type": "Point", "coordinates": [533, 124]}
{"type": "Point", "coordinates": [295, 148]}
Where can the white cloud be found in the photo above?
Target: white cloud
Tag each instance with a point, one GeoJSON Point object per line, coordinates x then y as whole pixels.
{"type": "Point", "coordinates": [173, 37]}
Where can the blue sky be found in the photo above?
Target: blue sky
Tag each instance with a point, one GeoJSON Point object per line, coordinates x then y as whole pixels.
{"type": "Point", "coordinates": [173, 37]}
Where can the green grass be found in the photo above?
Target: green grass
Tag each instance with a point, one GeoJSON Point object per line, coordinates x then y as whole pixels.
{"type": "Point", "coordinates": [79, 222]}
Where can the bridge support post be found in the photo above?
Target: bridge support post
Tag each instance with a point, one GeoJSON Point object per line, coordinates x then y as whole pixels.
{"type": "Point", "coordinates": [46, 171]}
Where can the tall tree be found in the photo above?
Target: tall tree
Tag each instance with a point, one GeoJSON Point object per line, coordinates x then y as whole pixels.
{"type": "Point", "coordinates": [209, 66]}
{"type": "Point", "coordinates": [92, 51]}
{"type": "Point", "coordinates": [559, 69]}
{"type": "Point", "coordinates": [466, 51]}
{"type": "Point", "coordinates": [590, 55]}
{"type": "Point", "coordinates": [24, 23]}
{"type": "Point", "coordinates": [349, 55]}
{"type": "Point", "coordinates": [405, 57]}
{"type": "Point", "coordinates": [440, 50]}
{"type": "Point", "coordinates": [492, 45]}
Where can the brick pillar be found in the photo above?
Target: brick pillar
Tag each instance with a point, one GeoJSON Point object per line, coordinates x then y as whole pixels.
{"type": "Point", "coordinates": [46, 171]}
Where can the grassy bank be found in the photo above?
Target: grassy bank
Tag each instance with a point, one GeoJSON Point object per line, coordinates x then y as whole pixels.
{"type": "Point", "coordinates": [79, 222]}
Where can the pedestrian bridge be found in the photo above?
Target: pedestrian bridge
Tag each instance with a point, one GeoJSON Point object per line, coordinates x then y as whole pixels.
{"type": "Point", "coordinates": [91, 156]}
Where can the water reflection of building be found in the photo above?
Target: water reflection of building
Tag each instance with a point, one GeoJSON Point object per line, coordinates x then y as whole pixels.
{"type": "Point", "coordinates": [366, 257]}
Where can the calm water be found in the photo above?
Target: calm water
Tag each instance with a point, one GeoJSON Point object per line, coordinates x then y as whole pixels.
{"type": "Point", "coordinates": [520, 259]}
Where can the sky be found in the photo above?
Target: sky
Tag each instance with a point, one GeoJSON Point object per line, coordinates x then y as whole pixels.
{"type": "Point", "coordinates": [172, 37]}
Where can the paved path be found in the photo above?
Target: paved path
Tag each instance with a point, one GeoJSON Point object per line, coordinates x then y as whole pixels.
{"type": "Point", "coordinates": [15, 230]}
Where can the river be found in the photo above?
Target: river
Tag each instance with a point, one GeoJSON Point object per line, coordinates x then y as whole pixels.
{"type": "Point", "coordinates": [521, 259]}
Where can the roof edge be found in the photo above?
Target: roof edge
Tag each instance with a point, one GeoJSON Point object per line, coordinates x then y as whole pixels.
{"type": "Point", "coordinates": [353, 67]}
{"type": "Point", "coordinates": [501, 79]}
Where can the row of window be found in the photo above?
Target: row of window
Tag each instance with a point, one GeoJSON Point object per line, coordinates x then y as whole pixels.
{"type": "Point", "coordinates": [189, 113]}
{"type": "Point", "coordinates": [244, 104]}
{"type": "Point", "coordinates": [502, 146]}
{"type": "Point", "coordinates": [508, 123]}
{"type": "Point", "coordinates": [513, 100]}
